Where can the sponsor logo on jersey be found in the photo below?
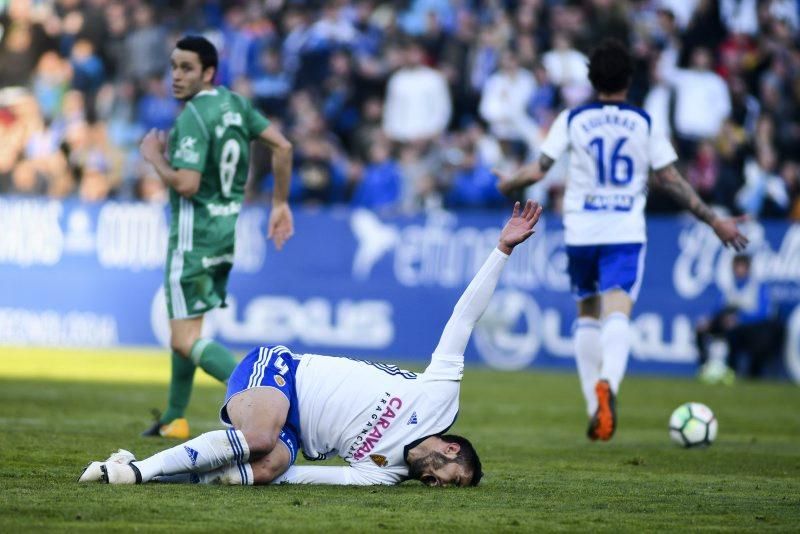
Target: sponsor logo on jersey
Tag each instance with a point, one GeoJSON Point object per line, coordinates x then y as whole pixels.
{"type": "Point", "coordinates": [193, 454]}
{"type": "Point", "coordinates": [413, 419]}
{"type": "Point", "coordinates": [280, 381]}
{"type": "Point", "coordinates": [608, 203]}
{"type": "Point", "coordinates": [383, 416]}
{"type": "Point", "coordinates": [224, 210]}
{"type": "Point", "coordinates": [379, 460]}
{"type": "Point", "coordinates": [187, 151]}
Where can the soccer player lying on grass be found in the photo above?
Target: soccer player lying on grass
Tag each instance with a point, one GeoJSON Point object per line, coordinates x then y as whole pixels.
{"type": "Point", "coordinates": [388, 424]}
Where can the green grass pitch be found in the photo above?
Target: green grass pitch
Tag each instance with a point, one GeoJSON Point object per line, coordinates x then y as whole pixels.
{"type": "Point", "coordinates": [60, 409]}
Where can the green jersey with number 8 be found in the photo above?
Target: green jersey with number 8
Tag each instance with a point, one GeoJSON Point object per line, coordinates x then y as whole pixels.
{"type": "Point", "coordinates": [211, 136]}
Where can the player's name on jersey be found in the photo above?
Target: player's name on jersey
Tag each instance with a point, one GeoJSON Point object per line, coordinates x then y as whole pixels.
{"type": "Point", "coordinates": [229, 118]}
{"type": "Point", "coordinates": [615, 119]}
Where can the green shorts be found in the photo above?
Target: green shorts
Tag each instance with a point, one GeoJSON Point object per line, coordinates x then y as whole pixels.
{"type": "Point", "coordinates": [196, 282]}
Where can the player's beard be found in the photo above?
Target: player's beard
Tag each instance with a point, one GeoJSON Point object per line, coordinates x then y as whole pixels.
{"type": "Point", "coordinates": [187, 96]}
{"type": "Point", "coordinates": [435, 460]}
{"type": "Point", "coordinates": [190, 92]}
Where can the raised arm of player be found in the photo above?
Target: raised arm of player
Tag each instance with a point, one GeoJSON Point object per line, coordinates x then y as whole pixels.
{"type": "Point", "coordinates": [555, 144]}
{"type": "Point", "coordinates": [524, 176]}
{"type": "Point", "coordinates": [448, 358]}
{"type": "Point", "coordinates": [669, 179]}
{"type": "Point", "coordinates": [281, 223]}
{"type": "Point", "coordinates": [185, 182]}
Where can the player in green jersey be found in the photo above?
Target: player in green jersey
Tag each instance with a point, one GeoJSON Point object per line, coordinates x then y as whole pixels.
{"type": "Point", "coordinates": [206, 170]}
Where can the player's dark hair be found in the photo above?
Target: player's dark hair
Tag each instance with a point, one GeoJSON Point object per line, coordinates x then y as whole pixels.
{"type": "Point", "coordinates": [467, 457]}
{"type": "Point", "coordinates": [203, 48]}
{"type": "Point", "coordinates": [610, 67]}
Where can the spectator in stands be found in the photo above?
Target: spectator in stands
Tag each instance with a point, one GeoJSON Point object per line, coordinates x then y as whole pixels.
{"type": "Point", "coordinates": [51, 80]}
{"type": "Point", "coordinates": [345, 58]}
{"type": "Point", "coordinates": [422, 171]}
{"type": "Point", "coordinates": [681, 10]}
{"type": "Point", "coordinates": [790, 173]}
{"type": "Point", "coordinates": [702, 100]}
{"type": "Point", "coordinates": [485, 57]}
{"type": "Point", "coordinates": [505, 101]}
{"type": "Point", "coordinates": [764, 193]}
{"type": "Point", "coordinates": [703, 170]}
{"type": "Point", "coordinates": [146, 50]}
{"type": "Point", "coordinates": [544, 100]}
{"type": "Point", "coordinates": [113, 50]}
{"type": "Point", "coordinates": [732, 149]}
{"type": "Point", "coordinates": [157, 108]}
{"type": "Point", "coordinates": [369, 128]}
{"type": "Point", "coordinates": [149, 187]}
{"type": "Point", "coordinates": [41, 166]}
{"type": "Point", "coordinates": [272, 85]}
{"type": "Point", "coordinates": [381, 186]}
{"type": "Point", "coordinates": [321, 173]}
{"type": "Point", "coordinates": [417, 106]}
{"type": "Point", "coordinates": [608, 18]}
{"type": "Point", "coordinates": [472, 185]}
{"type": "Point", "coordinates": [743, 327]}
{"type": "Point", "coordinates": [569, 70]}
{"type": "Point", "coordinates": [739, 16]}
{"type": "Point", "coordinates": [339, 103]}
{"type": "Point", "coordinates": [87, 68]}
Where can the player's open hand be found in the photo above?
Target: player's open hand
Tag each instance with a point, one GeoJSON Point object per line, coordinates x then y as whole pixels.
{"type": "Point", "coordinates": [727, 231]}
{"type": "Point", "coordinates": [153, 145]}
{"type": "Point", "coordinates": [281, 224]}
{"type": "Point", "coordinates": [520, 226]}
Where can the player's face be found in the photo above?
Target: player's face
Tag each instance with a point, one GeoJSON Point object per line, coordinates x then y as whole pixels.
{"type": "Point", "coordinates": [188, 76]}
{"type": "Point", "coordinates": [450, 474]}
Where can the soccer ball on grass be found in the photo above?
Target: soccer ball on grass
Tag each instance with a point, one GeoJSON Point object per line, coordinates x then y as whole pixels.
{"type": "Point", "coordinates": [693, 425]}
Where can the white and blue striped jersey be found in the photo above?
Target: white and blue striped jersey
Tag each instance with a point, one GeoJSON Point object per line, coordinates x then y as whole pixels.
{"type": "Point", "coordinates": [612, 147]}
{"type": "Point", "coordinates": [372, 414]}
{"type": "Point", "coordinates": [368, 413]}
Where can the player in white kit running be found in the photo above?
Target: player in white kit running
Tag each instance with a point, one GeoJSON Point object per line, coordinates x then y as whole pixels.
{"type": "Point", "coordinates": [387, 423]}
{"type": "Point", "coordinates": [612, 147]}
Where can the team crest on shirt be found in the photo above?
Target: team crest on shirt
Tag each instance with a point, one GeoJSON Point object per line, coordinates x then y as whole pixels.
{"type": "Point", "coordinates": [187, 151]}
{"type": "Point", "coordinates": [280, 381]}
{"type": "Point", "coordinates": [379, 460]}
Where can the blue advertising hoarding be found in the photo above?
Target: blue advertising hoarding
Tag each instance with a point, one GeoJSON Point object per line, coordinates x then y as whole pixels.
{"type": "Point", "coordinates": [354, 283]}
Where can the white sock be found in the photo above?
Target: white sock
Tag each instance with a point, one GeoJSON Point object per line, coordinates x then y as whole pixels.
{"type": "Point", "coordinates": [204, 453]}
{"type": "Point", "coordinates": [615, 338]}
{"type": "Point", "coordinates": [588, 358]}
{"type": "Point", "coordinates": [237, 474]}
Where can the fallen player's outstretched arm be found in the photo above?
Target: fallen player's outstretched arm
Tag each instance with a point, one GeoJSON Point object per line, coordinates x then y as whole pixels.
{"type": "Point", "coordinates": [448, 358]}
{"type": "Point", "coordinates": [333, 476]}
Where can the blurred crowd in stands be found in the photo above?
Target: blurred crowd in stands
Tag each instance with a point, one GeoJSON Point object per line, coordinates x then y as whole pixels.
{"type": "Point", "coordinates": [406, 105]}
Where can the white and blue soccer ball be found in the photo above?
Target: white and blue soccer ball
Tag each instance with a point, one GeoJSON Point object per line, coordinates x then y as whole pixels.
{"type": "Point", "coordinates": [693, 425]}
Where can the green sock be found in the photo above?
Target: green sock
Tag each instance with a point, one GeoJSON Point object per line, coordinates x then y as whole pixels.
{"type": "Point", "coordinates": [180, 388]}
{"type": "Point", "coordinates": [214, 359]}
